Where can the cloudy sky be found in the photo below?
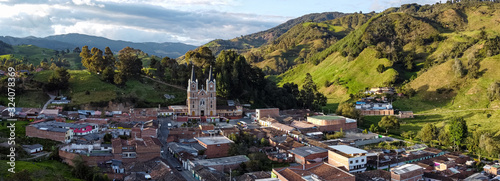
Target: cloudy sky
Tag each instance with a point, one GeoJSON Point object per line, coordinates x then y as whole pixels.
{"type": "Point", "coordinates": [188, 21]}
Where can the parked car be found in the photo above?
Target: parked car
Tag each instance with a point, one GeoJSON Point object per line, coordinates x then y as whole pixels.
{"type": "Point", "coordinates": [178, 168]}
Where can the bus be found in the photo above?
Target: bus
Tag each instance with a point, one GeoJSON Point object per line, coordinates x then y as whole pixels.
{"type": "Point", "coordinates": [242, 124]}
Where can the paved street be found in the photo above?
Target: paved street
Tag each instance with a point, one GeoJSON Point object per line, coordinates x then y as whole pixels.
{"type": "Point", "coordinates": [172, 162]}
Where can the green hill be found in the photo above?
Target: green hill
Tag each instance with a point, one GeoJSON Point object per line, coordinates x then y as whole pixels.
{"type": "Point", "coordinates": [417, 45]}
{"type": "Point", "coordinates": [86, 88]}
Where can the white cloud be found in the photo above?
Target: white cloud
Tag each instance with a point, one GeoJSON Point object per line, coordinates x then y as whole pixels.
{"type": "Point", "coordinates": [131, 20]}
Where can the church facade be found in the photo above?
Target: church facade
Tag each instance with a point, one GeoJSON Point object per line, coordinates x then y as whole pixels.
{"type": "Point", "coordinates": [201, 101]}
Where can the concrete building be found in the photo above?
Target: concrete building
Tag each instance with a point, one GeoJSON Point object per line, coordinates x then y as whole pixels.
{"type": "Point", "coordinates": [269, 112]}
{"type": "Point", "coordinates": [223, 164]}
{"type": "Point", "coordinates": [408, 172]}
{"type": "Point", "coordinates": [33, 148]}
{"type": "Point", "coordinates": [312, 172]}
{"type": "Point", "coordinates": [371, 108]}
{"type": "Point", "coordinates": [333, 123]}
{"type": "Point", "coordinates": [49, 132]}
{"type": "Point", "coordinates": [492, 169]}
{"type": "Point", "coordinates": [217, 146]}
{"type": "Point", "coordinates": [309, 154]}
{"type": "Point", "coordinates": [138, 149]}
{"type": "Point", "coordinates": [351, 158]}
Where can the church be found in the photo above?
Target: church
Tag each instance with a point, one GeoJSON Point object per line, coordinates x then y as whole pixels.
{"type": "Point", "coordinates": [201, 101]}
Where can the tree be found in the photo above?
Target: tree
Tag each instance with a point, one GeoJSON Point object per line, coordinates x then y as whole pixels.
{"type": "Point", "coordinates": [348, 110]}
{"type": "Point", "coordinates": [443, 137]}
{"type": "Point", "coordinates": [488, 144]}
{"type": "Point", "coordinates": [389, 122]}
{"type": "Point", "coordinates": [129, 63]}
{"type": "Point", "coordinates": [108, 74]}
{"type": "Point", "coordinates": [494, 90]}
{"type": "Point", "coordinates": [23, 175]}
{"type": "Point", "coordinates": [309, 95]}
{"type": "Point", "coordinates": [373, 128]}
{"type": "Point", "coordinates": [109, 59]}
{"type": "Point", "coordinates": [107, 138]}
{"type": "Point", "coordinates": [474, 66]}
{"type": "Point", "coordinates": [408, 134]}
{"type": "Point", "coordinates": [428, 133]}
{"type": "Point", "coordinates": [380, 68]}
{"type": "Point", "coordinates": [458, 131]}
{"type": "Point", "coordinates": [472, 143]}
{"type": "Point", "coordinates": [120, 79]}
{"type": "Point", "coordinates": [264, 142]}
{"type": "Point", "coordinates": [80, 170]}
{"type": "Point", "coordinates": [458, 68]}
{"type": "Point", "coordinates": [59, 80]}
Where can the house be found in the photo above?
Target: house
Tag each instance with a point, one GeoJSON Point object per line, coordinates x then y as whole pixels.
{"type": "Point", "coordinates": [155, 169]}
{"type": "Point", "coordinates": [50, 112]}
{"type": "Point", "coordinates": [224, 164]}
{"type": "Point", "coordinates": [92, 154]}
{"type": "Point", "coordinates": [282, 127]}
{"type": "Point", "coordinates": [136, 150]}
{"type": "Point", "coordinates": [269, 112]}
{"type": "Point", "coordinates": [230, 112]}
{"type": "Point", "coordinates": [492, 169]}
{"type": "Point", "coordinates": [332, 123]}
{"type": "Point", "coordinates": [377, 108]}
{"type": "Point", "coordinates": [351, 158]}
{"type": "Point", "coordinates": [49, 132]}
{"type": "Point", "coordinates": [373, 175]}
{"type": "Point", "coordinates": [405, 114]}
{"type": "Point", "coordinates": [203, 173]}
{"type": "Point", "coordinates": [216, 146]}
{"type": "Point", "coordinates": [228, 131]}
{"type": "Point", "coordinates": [316, 171]}
{"type": "Point", "coordinates": [309, 154]}
{"type": "Point", "coordinates": [267, 121]}
{"type": "Point", "coordinates": [408, 172]}
{"type": "Point", "coordinates": [256, 176]}
{"type": "Point", "coordinates": [33, 148]}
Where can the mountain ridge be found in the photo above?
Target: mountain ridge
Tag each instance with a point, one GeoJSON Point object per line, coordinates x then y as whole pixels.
{"type": "Point", "coordinates": [73, 40]}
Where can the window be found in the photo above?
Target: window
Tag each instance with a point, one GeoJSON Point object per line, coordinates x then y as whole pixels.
{"type": "Point", "coordinates": [351, 162]}
{"type": "Point", "coordinates": [124, 147]}
{"type": "Point", "coordinates": [218, 145]}
{"type": "Point", "coordinates": [362, 160]}
{"type": "Point", "coordinates": [357, 161]}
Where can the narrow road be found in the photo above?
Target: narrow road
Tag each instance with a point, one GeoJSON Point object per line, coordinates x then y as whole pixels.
{"type": "Point", "coordinates": [172, 162]}
{"type": "Point", "coordinates": [167, 84]}
{"type": "Point", "coordinates": [52, 97]}
{"type": "Point", "coordinates": [464, 110]}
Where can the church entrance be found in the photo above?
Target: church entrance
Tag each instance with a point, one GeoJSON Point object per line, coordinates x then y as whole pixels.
{"type": "Point", "coordinates": [202, 113]}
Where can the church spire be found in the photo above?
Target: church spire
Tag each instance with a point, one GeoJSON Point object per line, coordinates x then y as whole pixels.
{"type": "Point", "coordinates": [210, 75]}
{"type": "Point", "coordinates": [193, 77]}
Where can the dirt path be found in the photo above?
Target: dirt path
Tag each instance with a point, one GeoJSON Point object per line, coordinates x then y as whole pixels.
{"type": "Point", "coordinates": [464, 110]}
{"type": "Point", "coordinates": [52, 97]}
{"type": "Point", "coordinates": [167, 84]}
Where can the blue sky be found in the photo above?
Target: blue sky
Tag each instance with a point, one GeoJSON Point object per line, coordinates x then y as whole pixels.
{"type": "Point", "coordinates": [188, 21]}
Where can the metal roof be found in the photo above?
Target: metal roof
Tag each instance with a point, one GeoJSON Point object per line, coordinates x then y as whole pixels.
{"type": "Point", "coordinates": [214, 140]}
{"type": "Point", "coordinates": [307, 150]}
{"type": "Point", "coordinates": [405, 168]}
{"type": "Point", "coordinates": [348, 149]}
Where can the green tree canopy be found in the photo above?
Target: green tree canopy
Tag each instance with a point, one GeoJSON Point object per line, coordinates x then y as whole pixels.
{"type": "Point", "coordinates": [129, 63]}
{"type": "Point", "coordinates": [389, 122]}
{"type": "Point", "coordinates": [458, 131]}
{"type": "Point", "coordinates": [428, 133]}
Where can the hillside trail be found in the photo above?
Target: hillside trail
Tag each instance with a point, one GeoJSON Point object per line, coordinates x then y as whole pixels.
{"type": "Point", "coordinates": [164, 83]}
{"type": "Point", "coordinates": [52, 97]}
{"type": "Point", "coordinates": [463, 110]}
